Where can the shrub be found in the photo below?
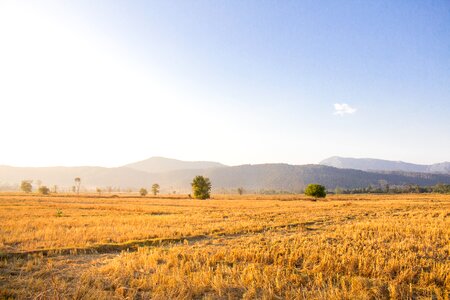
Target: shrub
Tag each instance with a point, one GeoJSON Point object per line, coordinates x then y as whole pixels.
{"type": "Point", "coordinates": [315, 190]}
{"type": "Point", "coordinates": [44, 190]}
{"type": "Point", "coordinates": [143, 192]}
{"type": "Point", "coordinates": [26, 186]}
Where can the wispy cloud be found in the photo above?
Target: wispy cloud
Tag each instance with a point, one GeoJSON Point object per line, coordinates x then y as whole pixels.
{"type": "Point", "coordinates": [341, 109]}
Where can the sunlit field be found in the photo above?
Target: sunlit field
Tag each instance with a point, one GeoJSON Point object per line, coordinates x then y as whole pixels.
{"type": "Point", "coordinates": [229, 247]}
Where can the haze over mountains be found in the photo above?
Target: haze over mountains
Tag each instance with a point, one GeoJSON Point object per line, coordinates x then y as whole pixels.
{"type": "Point", "coordinates": [158, 164]}
{"type": "Point", "coordinates": [371, 164]}
{"type": "Point", "coordinates": [176, 175]}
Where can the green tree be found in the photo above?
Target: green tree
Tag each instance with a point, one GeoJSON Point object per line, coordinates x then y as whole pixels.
{"type": "Point", "coordinates": [441, 188]}
{"type": "Point", "coordinates": [44, 190]}
{"type": "Point", "coordinates": [201, 187]}
{"type": "Point", "coordinates": [315, 190]}
{"type": "Point", "coordinates": [26, 186]}
{"type": "Point", "coordinates": [155, 189]}
{"type": "Point", "coordinates": [143, 192]}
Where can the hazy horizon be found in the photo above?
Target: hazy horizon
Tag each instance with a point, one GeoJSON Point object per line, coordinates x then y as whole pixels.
{"type": "Point", "coordinates": [200, 160]}
{"type": "Point", "coordinates": [106, 84]}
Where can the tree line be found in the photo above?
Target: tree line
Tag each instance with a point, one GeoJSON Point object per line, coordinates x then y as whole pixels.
{"type": "Point", "coordinates": [440, 188]}
{"type": "Point", "coordinates": [201, 189]}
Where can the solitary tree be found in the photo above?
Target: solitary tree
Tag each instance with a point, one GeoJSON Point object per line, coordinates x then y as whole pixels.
{"type": "Point", "coordinates": [99, 191]}
{"type": "Point", "coordinates": [143, 192]}
{"type": "Point", "coordinates": [316, 191]}
{"type": "Point", "coordinates": [240, 191]}
{"type": "Point", "coordinates": [44, 190]}
{"type": "Point", "coordinates": [26, 186]}
{"type": "Point", "coordinates": [201, 187]}
{"type": "Point", "coordinates": [155, 189]}
{"type": "Point", "coordinates": [77, 184]}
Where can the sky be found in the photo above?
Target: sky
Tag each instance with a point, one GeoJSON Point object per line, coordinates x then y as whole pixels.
{"type": "Point", "coordinates": [107, 83]}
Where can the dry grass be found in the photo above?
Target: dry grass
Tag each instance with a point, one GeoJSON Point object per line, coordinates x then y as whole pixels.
{"type": "Point", "coordinates": [265, 247]}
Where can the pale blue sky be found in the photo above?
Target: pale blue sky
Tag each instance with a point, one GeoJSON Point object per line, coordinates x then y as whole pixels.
{"type": "Point", "coordinates": [107, 83]}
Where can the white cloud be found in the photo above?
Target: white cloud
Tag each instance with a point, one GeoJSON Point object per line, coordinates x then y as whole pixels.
{"type": "Point", "coordinates": [341, 109]}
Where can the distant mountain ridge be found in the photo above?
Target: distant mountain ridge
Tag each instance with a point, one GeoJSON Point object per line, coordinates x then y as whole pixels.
{"type": "Point", "coordinates": [159, 164]}
{"type": "Point", "coordinates": [371, 164]}
{"type": "Point", "coordinates": [174, 175]}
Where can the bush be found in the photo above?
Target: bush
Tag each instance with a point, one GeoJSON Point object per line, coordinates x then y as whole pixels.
{"type": "Point", "coordinates": [26, 186]}
{"type": "Point", "coordinates": [143, 192]}
{"type": "Point", "coordinates": [201, 187]}
{"type": "Point", "coordinates": [44, 190]}
{"type": "Point", "coordinates": [315, 190]}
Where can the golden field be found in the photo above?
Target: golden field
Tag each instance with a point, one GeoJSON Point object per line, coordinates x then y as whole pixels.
{"type": "Point", "coordinates": [229, 247]}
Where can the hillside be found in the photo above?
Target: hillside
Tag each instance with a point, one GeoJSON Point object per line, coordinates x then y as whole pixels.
{"type": "Point", "coordinates": [371, 164]}
{"type": "Point", "coordinates": [253, 178]}
{"type": "Point", "coordinates": [293, 178]}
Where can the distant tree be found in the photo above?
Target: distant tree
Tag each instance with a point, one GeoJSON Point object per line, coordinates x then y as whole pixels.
{"type": "Point", "coordinates": [384, 186]}
{"type": "Point", "coordinates": [315, 190]}
{"type": "Point", "coordinates": [74, 189]}
{"type": "Point", "coordinates": [77, 184]}
{"type": "Point", "coordinates": [240, 191]}
{"type": "Point", "coordinates": [201, 187]}
{"type": "Point", "coordinates": [44, 190]}
{"type": "Point", "coordinates": [143, 192]}
{"type": "Point", "coordinates": [155, 189]}
{"type": "Point", "coordinates": [26, 186]}
{"type": "Point", "coordinates": [441, 188]}
{"type": "Point", "coordinates": [99, 191]}
{"type": "Point", "coordinates": [55, 189]}
{"type": "Point", "coordinates": [38, 182]}
{"type": "Point", "coordinates": [338, 190]}
{"type": "Point", "coordinates": [416, 189]}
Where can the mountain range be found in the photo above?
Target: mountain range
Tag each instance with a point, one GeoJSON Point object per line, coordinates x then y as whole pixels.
{"type": "Point", "coordinates": [175, 175]}
{"type": "Point", "coordinates": [161, 164]}
{"type": "Point", "coordinates": [371, 164]}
